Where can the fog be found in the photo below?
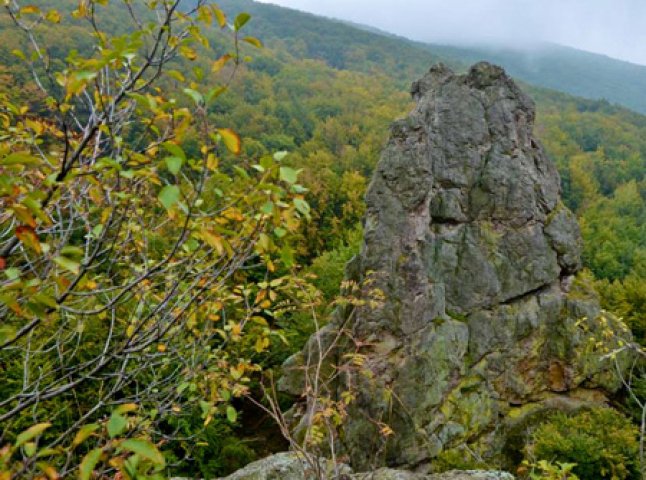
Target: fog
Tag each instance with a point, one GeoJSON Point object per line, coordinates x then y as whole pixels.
{"type": "Point", "coordinates": [616, 28]}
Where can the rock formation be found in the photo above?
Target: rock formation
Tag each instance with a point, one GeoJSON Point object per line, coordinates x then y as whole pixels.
{"type": "Point", "coordinates": [484, 325]}
{"type": "Point", "coordinates": [290, 466]}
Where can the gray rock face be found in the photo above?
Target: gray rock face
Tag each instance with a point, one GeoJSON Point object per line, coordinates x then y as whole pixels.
{"type": "Point", "coordinates": [291, 466]}
{"type": "Point", "coordinates": [466, 237]}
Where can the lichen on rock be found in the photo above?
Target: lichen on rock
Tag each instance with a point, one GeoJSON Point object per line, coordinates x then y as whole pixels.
{"type": "Point", "coordinates": [467, 238]}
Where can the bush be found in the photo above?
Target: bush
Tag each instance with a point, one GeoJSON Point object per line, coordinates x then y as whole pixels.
{"type": "Point", "coordinates": [458, 459]}
{"type": "Point", "coordinates": [601, 442]}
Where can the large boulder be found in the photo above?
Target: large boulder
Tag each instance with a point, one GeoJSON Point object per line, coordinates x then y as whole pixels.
{"type": "Point", "coordinates": [294, 466]}
{"type": "Point", "coordinates": [483, 322]}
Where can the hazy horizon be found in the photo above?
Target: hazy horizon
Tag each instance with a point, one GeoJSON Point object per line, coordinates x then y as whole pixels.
{"type": "Point", "coordinates": [609, 27]}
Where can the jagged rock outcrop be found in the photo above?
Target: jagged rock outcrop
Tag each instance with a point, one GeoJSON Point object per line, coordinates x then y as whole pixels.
{"type": "Point", "coordinates": [292, 466]}
{"type": "Point", "coordinates": [484, 326]}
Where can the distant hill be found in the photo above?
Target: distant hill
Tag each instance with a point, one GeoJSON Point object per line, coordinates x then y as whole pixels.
{"type": "Point", "coordinates": [566, 69]}
{"type": "Point", "coordinates": [346, 45]}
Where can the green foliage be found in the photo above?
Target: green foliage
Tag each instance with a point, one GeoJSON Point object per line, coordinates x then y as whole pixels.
{"type": "Point", "coordinates": [99, 448]}
{"type": "Point", "coordinates": [544, 470]}
{"type": "Point", "coordinates": [601, 442]}
{"type": "Point", "coordinates": [140, 260]}
{"type": "Point", "coordinates": [458, 459]}
{"type": "Point", "coordinates": [207, 451]}
{"type": "Point", "coordinates": [627, 299]}
{"type": "Point", "coordinates": [329, 267]}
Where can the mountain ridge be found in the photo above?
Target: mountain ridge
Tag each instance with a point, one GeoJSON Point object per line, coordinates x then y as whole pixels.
{"type": "Point", "coordinates": [566, 69]}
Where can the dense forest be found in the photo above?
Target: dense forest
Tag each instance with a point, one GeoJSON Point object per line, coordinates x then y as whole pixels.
{"type": "Point", "coordinates": [214, 218]}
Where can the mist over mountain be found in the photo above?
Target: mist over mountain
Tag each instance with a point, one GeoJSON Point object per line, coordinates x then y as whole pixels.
{"type": "Point", "coordinates": [539, 63]}
{"type": "Point", "coordinates": [610, 27]}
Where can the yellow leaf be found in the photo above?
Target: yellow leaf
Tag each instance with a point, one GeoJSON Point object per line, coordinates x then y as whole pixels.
{"type": "Point", "coordinates": [211, 162]}
{"type": "Point", "coordinates": [219, 14]}
{"type": "Point", "coordinates": [84, 433]}
{"type": "Point", "coordinates": [53, 16]}
{"type": "Point", "coordinates": [188, 52]}
{"type": "Point", "coordinates": [213, 240]}
{"type": "Point", "coordinates": [231, 140]}
{"type": "Point", "coordinates": [220, 63]}
{"type": "Point", "coordinates": [31, 433]}
{"type": "Point", "coordinates": [253, 41]}
{"type": "Point", "coordinates": [28, 237]}
{"type": "Point", "coordinates": [27, 9]}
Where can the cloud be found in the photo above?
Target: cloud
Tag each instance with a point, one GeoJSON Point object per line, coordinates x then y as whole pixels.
{"type": "Point", "coordinates": [613, 27]}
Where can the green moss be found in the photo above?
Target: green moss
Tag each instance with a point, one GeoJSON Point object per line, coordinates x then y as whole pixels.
{"type": "Point", "coordinates": [489, 234]}
{"type": "Point", "coordinates": [559, 206]}
{"type": "Point", "coordinates": [457, 316]}
{"type": "Point", "coordinates": [582, 287]}
{"type": "Point", "coordinates": [458, 459]}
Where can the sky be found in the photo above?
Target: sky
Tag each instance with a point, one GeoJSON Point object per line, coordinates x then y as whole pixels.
{"type": "Point", "coordinates": [616, 28]}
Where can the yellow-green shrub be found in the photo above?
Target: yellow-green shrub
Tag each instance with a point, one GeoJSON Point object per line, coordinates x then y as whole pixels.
{"type": "Point", "coordinates": [601, 442]}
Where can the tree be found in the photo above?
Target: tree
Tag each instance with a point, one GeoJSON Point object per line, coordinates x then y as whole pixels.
{"type": "Point", "coordinates": [136, 248]}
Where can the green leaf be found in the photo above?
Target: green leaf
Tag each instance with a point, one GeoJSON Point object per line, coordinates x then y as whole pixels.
{"type": "Point", "coordinates": [88, 463]}
{"type": "Point", "coordinates": [278, 156]}
{"type": "Point", "coordinates": [302, 206]}
{"type": "Point", "coordinates": [289, 175]}
{"type": "Point", "coordinates": [287, 255]}
{"type": "Point", "coordinates": [68, 264]}
{"type": "Point", "coordinates": [174, 164]}
{"type": "Point", "coordinates": [31, 432]}
{"type": "Point", "coordinates": [72, 251]}
{"type": "Point", "coordinates": [169, 196]}
{"type": "Point", "coordinates": [267, 208]}
{"type": "Point", "coordinates": [231, 140]}
{"type": "Point", "coordinates": [117, 424]}
{"type": "Point", "coordinates": [84, 433]}
{"type": "Point", "coordinates": [30, 448]}
{"type": "Point", "coordinates": [34, 206]}
{"type": "Point", "coordinates": [145, 449]}
{"type": "Point", "coordinates": [215, 93]}
{"type": "Point", "coordinates": [175, 150]}
{"type": "Point", "coordinates": [195, 95]}
{"type": "Point", "coordinates": [12, 273]}
{"type": "Point", "coordinates": [232, 415]}
{"type": "Point", "coordinates": [141, 100]}
{"type": "Point", "coordinates": [177, 75]}
{"type": "Point", "coordinates": [19, 159]}
{"type": "Point", "coordinates": [46, 300]}
{"type": "Point", "coordinates": [241, 21]}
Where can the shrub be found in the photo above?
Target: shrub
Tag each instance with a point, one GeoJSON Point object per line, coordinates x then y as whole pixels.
{"type": "Point", "coordinates": [601, 442]}
{"type": "Point", "coordinates": [544, 470]}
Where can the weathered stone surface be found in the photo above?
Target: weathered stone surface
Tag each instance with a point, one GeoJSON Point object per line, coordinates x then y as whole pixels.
{"type": "Point", "coordinates": [288, 466]}
{"type": "Point", "coordinates": [466, 237]}
{"type": "Point", "coordinates": [291, 466]}
{"type": "Point", "coordinates": [390, 474]}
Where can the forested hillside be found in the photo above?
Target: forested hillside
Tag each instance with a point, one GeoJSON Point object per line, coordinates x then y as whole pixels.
{"type": "Point", "coordinates": [356, 47]}
{"type": "Point", "coordinates": [323, 95]}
